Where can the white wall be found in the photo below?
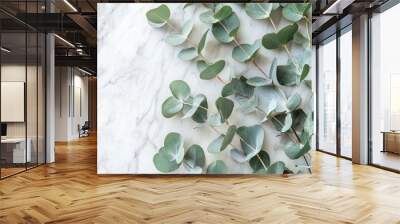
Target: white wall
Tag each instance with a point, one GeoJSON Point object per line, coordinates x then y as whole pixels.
{"type": "Point", "coordinates": [71, 93]}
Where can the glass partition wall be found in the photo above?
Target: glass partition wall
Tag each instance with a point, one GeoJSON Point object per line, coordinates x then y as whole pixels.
{"type": "Point", "coordinates": [22, 77]}
{"type": "Point", "coordinates": [334, 104]}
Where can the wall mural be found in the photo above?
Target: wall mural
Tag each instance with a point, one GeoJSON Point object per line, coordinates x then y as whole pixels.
{"type": "Point", "coordinates": [206, 88]}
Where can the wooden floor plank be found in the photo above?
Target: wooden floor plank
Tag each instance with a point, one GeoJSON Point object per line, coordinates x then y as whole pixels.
{"type": "Point", "coordinates": [70, 191]}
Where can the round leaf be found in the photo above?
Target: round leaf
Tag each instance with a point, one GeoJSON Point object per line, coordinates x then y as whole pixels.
{"type": "Point", "coordinates": [226, 30]}
{"type": "Point", "coordinates": [276, 168]}
{"type": "Point", "coordinates": [180, 89]}
{"type": "Point", "coordinates": [223, 13]}
{"type": "Point", "coordinates": [294, 12]}
{"type": "Point", "coordinates": [293, 102]}
{"type": "Point", "coordinates": [208, 17]}
{"type": "Point", "coordinates": [258, 10]}
{"type": "Point", "coordinates": [257, 165]}
{"type": "Point", "coordinates": [159, 16]}
{"type": "Point", "coordinates": [200, 116]}
{"type": "Point", "coordinates": [220, 143]}
{"type": "Point", "coordinates": [271, 41]}
{"type": "Point", "coordinates": [259, 81]}
{"type": "Point", "coordinates": [173, 145]}
{"type": "Point", "coordinates": [188, 54]}
{"type": "Point", "coordinates": [304, 73]}
{"type": "Point", "coordinates": [211, 71]}
{"type": "Point", "coordinates": [214, 120]}
{"type": "Point", "coordinates": [295, 151]}
{"type": "Point", "coordinates": [228, 89]}
{"type": "Point", "coordinates": [193, 105]}
{"type": "Point", "coordinates": [287, 123]}
{"type": "Point", "coordinates": [217, 167]}
{"type": "Point", "coordinates": [251, 140]}
{"type": "Point", "coordinates": [286, 34]}
{"type": "Point", "coordinates": [176, 39]}
{"type": "Point", "coordinates": [287, 75]}
{"type": "Point", "coordinates": [164, 161]}
{"type": "Point", "coordinates": [245, 52]}
{"type": "Point", "coordinates": [249, 104]}
{"type": "Point", "coordinates": [171, 106]}
{"type": "Point", "coordinates": [225, 107]}
{"type": "Point", "coordinates": [194, 159]}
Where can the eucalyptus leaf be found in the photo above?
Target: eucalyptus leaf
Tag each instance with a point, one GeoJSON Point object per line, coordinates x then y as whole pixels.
{"type": "Point", "coordinates": [209, 17]}
{"type": "Point", "coordinates": [202, 43]}
{"type": "Point", "coordinates": [286, 34]}
{"type": "Point", "coordinates": [228, 89]}
{"type": "Point", "coordinates": [222, 141]}
{"type": "Point", "coordinates": [225, 107]}
{"type": "Point", "coordinates": [226, 30]}
{"type": "Point", "coordinates": [211, 71]}
{"type": "Point", "coordinates": [159, 16]}
{"type": "Point", "coordinates": [245, 52]}
{"type": "Point", "coordinates": [299, 117]}
{"type": "Point", "coordinates": [201, 114]}
{"type": "Point", "coordinates": [294, 12]}
{"type": "Point", "coordinates": [180, 89]}
{"type": "Point", "coordinates": [251, 140]}
{"type": "Point", "coordinates": [288, 123]}
{"type": "Point", "coordinates": [276, 168]}
{"type": "Point", "coordinates": [300, 39]}
{"type": "Point", "coordinates": [242, 88]}
{"type": "Point", "coordinates": [304, 73]}
{"type": "Point", "coordinates": [173, 145]}
{"type": "Point", "coordinates": [259, 81]}
{"type": "Point", "coordinates": [273, 68]}
{"type": "Point", "coordinates": [282, 122]}
{"type": "Point", "coordinates": [194, 159]}
{"type": "Point", "coordinates": [293, 102]}
{"type": "Point", "coordinates": [188, 54]}
{"type": "Point", "coordinates": [201, 65]}
{"type": "Point", "coordinates": [171, 106]}
{"type": "Point", "coordinates": [217, 167]}
{"type": "Point", "coordinates": [194, 105]}
{"type": "Point", "coordinates": [250, 105]}
{"type": "Point", "coordinates": [296, 150]}
{"type": "Point", "coordinates": [271, 41]}
{"type": "Point", "coordinates": [164, 161]}
{"type": "Point", "coordinates": [287, 75]}
{"type": "Point", "coordinates": [258, 10]}
{"type": "Point", "coordinates": [176, 39]}
{"type": "Point", "coordinates": [258, 165]}
{"type": "Point", "coordinates": [214, 120]}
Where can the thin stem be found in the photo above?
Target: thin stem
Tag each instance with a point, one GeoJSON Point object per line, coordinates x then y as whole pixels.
{"type": "Point", "coordinates": [190, 104]}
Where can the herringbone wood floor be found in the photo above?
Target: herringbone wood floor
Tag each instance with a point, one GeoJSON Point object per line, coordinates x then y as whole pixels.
{"type": "Point", "coordinates": [70, 191]}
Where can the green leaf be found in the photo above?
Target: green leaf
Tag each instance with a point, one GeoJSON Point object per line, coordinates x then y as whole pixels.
{"type": "Point", "coordinates": [294, 12]}
{"type": "Point", "coordinates": [258, 10]}
{"type": "Point", "coordinates": [309, 125]}
{"type": "Point", "coordinates": [201, 65]}
{"type": "Point", "coordinates": [249, 105]}
{"type": "Point", "coordinates": [273, 68]}
{"type": "Point", "coordinates": [188, 54]}
{"type": "Point", "coordinates": [225, 107]}
{"type": "Point", "coordinates": [202, 42]}
{"type": "Point", "coordinates": [159, 16]}
{"type": "Point", "coordinates": [259, 81]}
{"type": "Point", "coordinates": [295, 150]}
{"type": "Point", "coordinates": [276, 168]}
{"type": "Point", "coordinates": [271, 41]}
{"type": "Point", "coordinates": [173, 145]}
{"type": "Point", "coordinates": [214, 120]}
{"type": "Point", "coordinates": [257, 165]}
{"type": "Point", "coordinates": [300, 39]}
{"type": "Point", "coordinates": [287, 75]}
{"type": "Point", "coordinates": [226, 30]}
{"type": "Point", "coordinates": [242, 88]}
{"type": "Point", "coordinates": [194, 159]}
{"type": "Point", "coordinates": [210, 18]}
{"type": "Point", "coordinates": [245, 52]}
{"type": "Point", "coordinates": [299, 117]}
{"type": "Point", "coordinates": [228, 89]}
{"type": "Point", "coordinates": [176, 39]}
{"type": "Point", "coordinates": [171, 106]}
{"type": "Point", "coordinates": [286, 34]}
{"type": "Point", "coordinates": [193, 105]}
{"type": "Point", "coordinates": [304, 73]}
{"type": "Point", "coordinates": [211, 71]}
{"type": "Point", "coordinates": [217, 167]}
{"type": "Point", "coordinates": [164, 161]}
{"type": "Point", "coordinates": [288, 123]}
{"type": "Point", "coordinates": [200, 116]}
{"type": "Point", "coordinates": [293, 102]}
{"type": "Point", "coordinates": [220, 143]}
{"type": "Point", "coordinates": [180, 89]}
{"type": "Point", "coordinates": [283, 122]}
{"type": "Point", "coordinates": [251, 140]}
{"type": "Point", "coordinates": [308, 83]}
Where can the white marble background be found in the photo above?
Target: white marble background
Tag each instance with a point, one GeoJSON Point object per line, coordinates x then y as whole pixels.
{"type": "Point", "coordinates": [135, 67]}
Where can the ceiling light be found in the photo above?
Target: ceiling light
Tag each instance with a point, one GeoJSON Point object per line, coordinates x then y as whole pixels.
{"type": "Point", "coordinates": [70, 5]}
{"type": "Point", "coordinates": [84, 71]}
{"type": "Point", "coordinates": [5, 50]}
{"type": "Point", "coordinates": [65, 41]}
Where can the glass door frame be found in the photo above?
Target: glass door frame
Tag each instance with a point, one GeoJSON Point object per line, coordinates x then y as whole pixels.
{"type": "Point", "coordinates": [334, 37]}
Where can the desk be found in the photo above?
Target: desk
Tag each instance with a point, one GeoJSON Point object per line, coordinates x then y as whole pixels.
{"type": "Point", "coordinates": [16, 147]}
{"type": "Point", "coordinates": [391, 141]}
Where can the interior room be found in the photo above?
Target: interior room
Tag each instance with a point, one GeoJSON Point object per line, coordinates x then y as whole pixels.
{"type": "Point", "coordinates": [199, 112]}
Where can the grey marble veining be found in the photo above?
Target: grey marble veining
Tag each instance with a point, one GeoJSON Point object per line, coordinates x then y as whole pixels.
{"type": "Point", "coordinates": [135, 67]}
